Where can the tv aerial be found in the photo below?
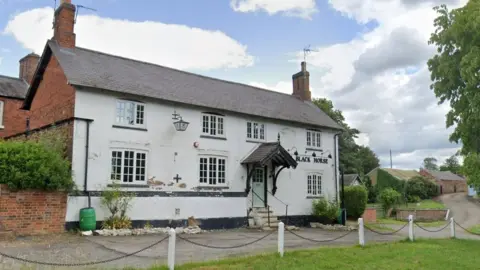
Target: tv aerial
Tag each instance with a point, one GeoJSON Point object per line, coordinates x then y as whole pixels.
{"type": "Point", "coordinates": [307, 51]}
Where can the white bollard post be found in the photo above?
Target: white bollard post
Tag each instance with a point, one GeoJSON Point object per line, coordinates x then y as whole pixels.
{"type": "Point", "coordinates": [171, 249]}
{"type": "Point", "coordinates": [361, 232]}
{"type": "Point", "coordinates": [452, 227]}
{"type": "Point", "coordinates": [410, 227]}
{"type": "Point", "coordinates": [281, 234]}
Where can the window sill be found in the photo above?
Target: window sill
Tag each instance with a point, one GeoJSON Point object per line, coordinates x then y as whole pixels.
{"type": "Point", "coordinates": [314, 149]}
{"type": "Point", "coordinates": [129, 185]}
{"type": "Point", "coordinates": [315, 197]}
{"type": "Point", "coordinates": [255, 141]}
{"type": "Point", "coordinates": [212, 187]}
{"type": "Point", "coordinates": [2, 127]}
{"type": "Point", "coordinates": [130, 127]}
{"type": "Point", "coordinates": [213, 137]}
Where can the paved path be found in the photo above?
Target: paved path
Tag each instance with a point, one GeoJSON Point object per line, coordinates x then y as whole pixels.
{"type": "Point", "coordinates": [74, 249]}
{"type": "Point", "coordinates": [464, 212]}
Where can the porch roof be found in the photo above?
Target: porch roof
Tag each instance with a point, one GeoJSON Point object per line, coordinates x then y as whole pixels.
{"type": "Point", "coordinates": [271, 151]}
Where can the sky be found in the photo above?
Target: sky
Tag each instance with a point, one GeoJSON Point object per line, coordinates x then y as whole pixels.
{"type": "Point", "coordinates": [367, 56]}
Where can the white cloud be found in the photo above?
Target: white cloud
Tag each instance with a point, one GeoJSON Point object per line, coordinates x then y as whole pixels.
{"type": "Point", "coordinates": [298, 8]}
{"type": "Point", "coordinates": [381, 82]}
{"type": "Point", "coordinates": [172, 45]}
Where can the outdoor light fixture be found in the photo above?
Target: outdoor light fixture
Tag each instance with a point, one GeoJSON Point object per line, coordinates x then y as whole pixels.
{"type": "Point", "coordinates": [314, 155]}
{"type": "Point", "coordinates": [295, 153]}
{"type": "Point", "coordinates": [180, 125]}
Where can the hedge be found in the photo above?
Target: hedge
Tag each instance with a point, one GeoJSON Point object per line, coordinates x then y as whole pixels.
{"type": "Point", "coordinates": [30, 165]}
{"type": "Point", "coordinates": [356, 198]}
{"type": "Point", "coordinates": [386, 180]}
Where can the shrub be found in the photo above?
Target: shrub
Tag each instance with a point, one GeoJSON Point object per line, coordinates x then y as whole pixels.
{"type": "Point", "coordinates": [372, 190]}
{"type": "Point", "coordinates": [30, 165]}
{"type": "Point", "coordinates": [355, 200]}
{"type": "Point", "coordinates": [420, 187]}
{"type": "Point", "coordinates": [389, 198]}
{"type": "Point", "coordinates": [324, 208]}
{"type": "Point", "coordinates": [117, 202]}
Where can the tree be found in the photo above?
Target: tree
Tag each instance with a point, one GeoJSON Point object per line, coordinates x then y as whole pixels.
{"type": "Point", "coordinates": [353, 158]}
{"type": "Point", "coordinates": [455, 71]}
{"type": "Point", "coordinates": [367, 158]}
{"type": "Point", "coordinates": [430, 163]}
{"type": "Point", "coordinates": [451, 164]}
{"type": "Point", "coordinates": [471, 168]}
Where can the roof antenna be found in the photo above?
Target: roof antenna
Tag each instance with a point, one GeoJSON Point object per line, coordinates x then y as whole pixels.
{"type": "Point", "coordinates": [306, 52]}
{"type": "Point", "coordinates": [79, 7]}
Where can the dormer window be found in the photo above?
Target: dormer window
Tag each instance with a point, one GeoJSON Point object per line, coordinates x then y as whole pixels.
{"type": "Point", "coordinates": [130, 113]}
{"type": "Point", "coordinates": [213, 125]}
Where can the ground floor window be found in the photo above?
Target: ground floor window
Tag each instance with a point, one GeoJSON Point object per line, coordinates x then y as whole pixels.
{"type": "Point", "coordinates": [129, 166]}
{"type": "Point", "coordinates": [212, 170]}
{"type": "Point", "coordinates": [314, 184]}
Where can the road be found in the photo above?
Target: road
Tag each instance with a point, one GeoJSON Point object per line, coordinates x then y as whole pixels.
{"type": "Point", "coordinates": [464, 212]}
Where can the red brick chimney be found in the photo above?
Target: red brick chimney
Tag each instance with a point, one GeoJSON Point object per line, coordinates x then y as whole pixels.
{"type": "Point", "coordinates": [28, 65]}
{"type": "Point", "coordinates": [63, 24]}
{"type": "Point", "coordinates": [301, 84]}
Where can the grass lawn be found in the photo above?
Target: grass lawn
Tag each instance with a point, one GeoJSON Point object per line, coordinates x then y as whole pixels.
{"type": "Point", "coordinates": [425, 204]}
{"type": "Point", "coordinates": [422, 254]}
{"type": "Point", "coordinates": [389, 221]}
{"type": "Point", "coordinates": [475, 229]}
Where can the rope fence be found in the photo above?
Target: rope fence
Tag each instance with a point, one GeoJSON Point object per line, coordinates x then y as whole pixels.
{"type": "Point", "coordinates": [281, 241]}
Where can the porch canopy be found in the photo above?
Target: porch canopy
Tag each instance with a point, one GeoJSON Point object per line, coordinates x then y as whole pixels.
{"type": "Point", "coordinates": [271, 153]}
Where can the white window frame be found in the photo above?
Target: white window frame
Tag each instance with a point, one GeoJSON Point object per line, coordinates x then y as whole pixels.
{"type": "Point", "coordinates": [204, 172]}
{"type": "Point", "coordinates": [314, 185]}
{"type": "Point", "coordinates": [313, 139]}
{"type": "Point", "coordinates": [136, 105]}
{"type": "Point", "coordinates": [122, 166]}
{"type": "Point", "coordinates": [209, 128]}
{"type": "Point", "coordinates": [260, 129]}
{"type": "Point", "coordinates": [2, 108]}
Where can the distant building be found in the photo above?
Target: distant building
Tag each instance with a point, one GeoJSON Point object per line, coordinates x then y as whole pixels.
{"type": "Point", "coordinates": [448, 181]}
{"type": "Point", "coordinates": [351, 180]}
{"type": "Point", "coordinates": [404, 175]}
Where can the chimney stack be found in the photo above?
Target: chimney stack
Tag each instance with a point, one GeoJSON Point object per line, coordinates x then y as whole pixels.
{"type": "Point", "coordinates": [301, 84]}
{"type": "Point", "coordinates": [28, 65]}
{"type": "Point", "coordinates": [63, 24]}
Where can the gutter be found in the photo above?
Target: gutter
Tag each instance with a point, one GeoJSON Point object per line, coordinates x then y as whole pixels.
{"type": "Point", "coordinates": [87, 147]}
{"type": "Point", "coordinates": [335, 145]}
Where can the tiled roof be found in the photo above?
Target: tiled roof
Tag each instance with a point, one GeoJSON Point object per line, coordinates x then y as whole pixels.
{"type": "Point", "coordinates": [402, 174]}
{"type": "Point", "coordinates": [94, 69]}
{"type": "Point", "coordinates": [12, 87]}
{"type": "Point", "coordinates": [445, 175]}
{"type": "Point", "coordinates": [271, 151]}
{"type": "Point", "coordinates": [348, 179]}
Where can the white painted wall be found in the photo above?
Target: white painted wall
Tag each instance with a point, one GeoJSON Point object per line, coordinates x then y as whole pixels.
{"type": "Point", "coordinates": [162, 141]}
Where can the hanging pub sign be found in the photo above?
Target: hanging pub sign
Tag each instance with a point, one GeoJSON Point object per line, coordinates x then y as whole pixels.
{"type": "Point", "coordinates": [307, 159]}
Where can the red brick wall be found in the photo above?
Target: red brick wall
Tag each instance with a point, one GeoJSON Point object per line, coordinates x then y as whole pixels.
{"type": "Point", "coordinates": [32, 212]}
{"type": "Point", "coordinates": [54, 99]}
{"type": "Point", "coordinates": [452, 186]}
{"type": "Point", "coordinates": [14, 119]}
{"type": "Point", "coordinates": [423, 215]}
{"type": "Point", "coordinates": [370, 215]}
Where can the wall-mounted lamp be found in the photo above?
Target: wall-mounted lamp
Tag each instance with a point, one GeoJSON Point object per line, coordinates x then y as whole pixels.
{"type": "Point", "coordinates": [295, 153]}
{"type": "Point", "coordinates": [180, 125]}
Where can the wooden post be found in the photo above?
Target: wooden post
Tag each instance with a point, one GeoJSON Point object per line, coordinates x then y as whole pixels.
{"type": "Point", "coordinates": [410, 228]}
{"type": "Point", "coordinates": [452, 227]}
{"type": "Point", "coordinates": [361, 232]}
{"type": "Point", "coordinates": [171, 249]}
{"type": "Point", "coordinates": [281, 234]}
